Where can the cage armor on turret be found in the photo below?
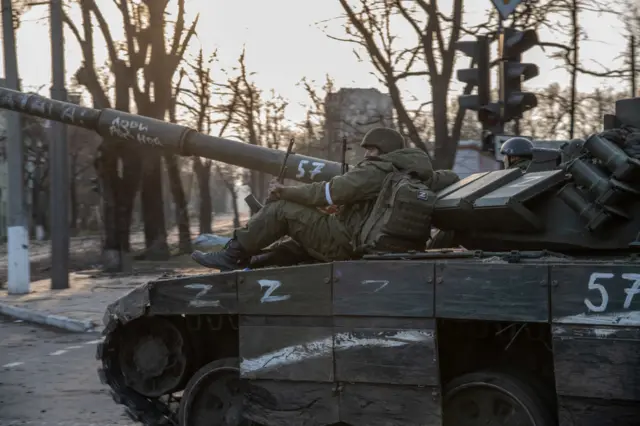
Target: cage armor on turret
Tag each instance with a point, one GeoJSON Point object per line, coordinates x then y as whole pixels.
{"type": "Point", "coordinates": [543, 298]}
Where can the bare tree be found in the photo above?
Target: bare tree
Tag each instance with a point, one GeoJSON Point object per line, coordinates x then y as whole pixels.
{"type": "Point", "coordinates": [316, 114]}
{"type": "Point", "coordinates": [82, 146]}
{"type": "Point", "coordinates": [175, 182]}
{"type": "Point", "coordinates": [241, 104]}
{"type": "Point", "coordinates": [569, 10]}
{"type": "Point", "coordinates": [551, 118]}
{"type": "Point", "coordinates": [566, 23]}
{"type": "Point", "coordinates": [273, 117]}
{"type": "Point", "coordinates": [313, 125]}
{"type": "Point", "coordinates": [143, 54]}
{"type": "Point", "coordinates": [631, 21]}
{"type": "Point", "coordinates": [592, 108]}
{"type": "Point", "coordinates": [196, 100]}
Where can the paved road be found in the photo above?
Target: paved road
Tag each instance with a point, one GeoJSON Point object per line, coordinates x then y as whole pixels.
{"type": "Point", "coordinates": [48, 378]}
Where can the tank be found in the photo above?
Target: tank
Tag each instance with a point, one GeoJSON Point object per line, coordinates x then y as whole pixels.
{"type": "Point", "coordinates": [535, 322]}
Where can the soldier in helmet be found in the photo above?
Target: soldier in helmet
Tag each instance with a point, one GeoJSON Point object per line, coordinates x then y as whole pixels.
{"type": "Point", "coordinates": [518, 152]}
{"type": "Point", "coordinates": [293, 210]}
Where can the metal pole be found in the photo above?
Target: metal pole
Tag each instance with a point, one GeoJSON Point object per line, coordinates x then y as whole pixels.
{"type": "Point", "coordinates": [633, 66]}
{"type": "Point", "coordinates": [498, 129]}
{"type": "Point", "coordinates": [18, 238]}
{"type": "Point", "coordinates": [58, 161]}
{"type": "Point", "coordinates": [501, 76]}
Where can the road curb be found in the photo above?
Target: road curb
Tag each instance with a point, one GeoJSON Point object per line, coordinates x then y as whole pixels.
{"type": "Point", "coordinates": [57, 321]}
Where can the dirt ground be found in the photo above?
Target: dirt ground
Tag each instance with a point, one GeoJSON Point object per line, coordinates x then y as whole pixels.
{"type": "Point", "coordinates": [85, 252]}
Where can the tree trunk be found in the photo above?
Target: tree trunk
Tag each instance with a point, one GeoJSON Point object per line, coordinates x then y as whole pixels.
{"type": "Point", "coordinates": [155, 233]}
{"type": "Point", "coordinates": [574, 67]}
{"type": "Point", "coordinates": [236, 212]}
{"type": "Point", "coordinates": [445, 149]}
{"type": "Point", "coordinates": [180, 202]}
{"type": "Point", "coordinates": [254, 183]}
{"type": "Point", "coordinates": [35, 197]}
{"type": "Point", "coordinates": [129, 186]}
{"type": "Point", "coordinates": [203, 173]}
{"type": "Point", "coordinates": [121, 181]}
{"type": "Point", "coordinates": [234, 202]}
{"type": "Point", "coordinates": [108, 175]}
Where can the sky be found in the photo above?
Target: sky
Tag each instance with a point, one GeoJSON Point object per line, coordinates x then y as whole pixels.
{"type": "Point", "coordinates": [285, 43]}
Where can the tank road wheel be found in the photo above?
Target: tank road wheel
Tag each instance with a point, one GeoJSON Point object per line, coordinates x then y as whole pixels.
{"type": "Point", "coordinates": [214, 396]}
{"type": "Point", "coordinates": [493, 398]}
{"type": "Point", "coordinates": [153, 356]}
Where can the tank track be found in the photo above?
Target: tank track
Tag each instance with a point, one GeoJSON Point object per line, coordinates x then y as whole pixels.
{"type": "Point", "coordinates": [148, 411]}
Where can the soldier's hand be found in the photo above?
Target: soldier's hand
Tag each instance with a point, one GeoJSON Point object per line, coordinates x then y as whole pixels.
{"type": "Point", "coordinates": [329, 209]}
{"type": "Point", "coordinates": [274, 189]}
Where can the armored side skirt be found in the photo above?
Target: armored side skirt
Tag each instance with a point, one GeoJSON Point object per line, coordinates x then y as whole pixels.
{"type": "Point", "coordinates": [360, 342]}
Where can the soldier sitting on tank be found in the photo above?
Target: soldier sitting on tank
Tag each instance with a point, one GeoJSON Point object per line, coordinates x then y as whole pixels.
{"type": "Point", "coordinates": [293, 210]}
{"type": "Point", "coordinates": [517, 152]}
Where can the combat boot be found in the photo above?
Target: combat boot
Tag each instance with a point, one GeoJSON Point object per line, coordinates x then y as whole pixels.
{"type": "Point", "coordinates": [230, 258]}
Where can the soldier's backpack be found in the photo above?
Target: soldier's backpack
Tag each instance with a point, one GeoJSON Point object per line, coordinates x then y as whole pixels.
{"type": "Point", "coordinates": [400, 218]}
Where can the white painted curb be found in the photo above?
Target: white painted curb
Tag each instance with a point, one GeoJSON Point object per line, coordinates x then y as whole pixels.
{"type": "Point", "coordinates": [58, 321]}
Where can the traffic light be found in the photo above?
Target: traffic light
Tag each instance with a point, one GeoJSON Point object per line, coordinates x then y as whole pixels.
{"type": "Point", "coordinates": [478, 51]}
{"type": "Point", "coordinates": [489, 116]}
{"type": "Point", "coordinates": [513, 72]}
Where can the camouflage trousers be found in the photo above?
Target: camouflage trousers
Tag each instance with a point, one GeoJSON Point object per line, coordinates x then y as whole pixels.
{"type": "Point", "coordinates": [322, 235]}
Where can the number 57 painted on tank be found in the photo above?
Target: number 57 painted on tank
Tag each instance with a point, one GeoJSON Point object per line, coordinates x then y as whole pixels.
{"type": "Point", "coordinates": [594, 284]}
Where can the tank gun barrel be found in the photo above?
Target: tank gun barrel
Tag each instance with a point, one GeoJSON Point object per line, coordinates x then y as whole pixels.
{"type": "Point", "coordinates": [181, 140]}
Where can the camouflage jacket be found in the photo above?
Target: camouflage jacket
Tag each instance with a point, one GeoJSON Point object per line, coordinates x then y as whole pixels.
{"type": "Point", "coordinates": [441, 179]}
{"type": "Point", "coordinates": [356, 191]}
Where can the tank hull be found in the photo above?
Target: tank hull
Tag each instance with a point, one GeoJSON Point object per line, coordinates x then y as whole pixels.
{"type": "Point", "coordinates": [378, 342]}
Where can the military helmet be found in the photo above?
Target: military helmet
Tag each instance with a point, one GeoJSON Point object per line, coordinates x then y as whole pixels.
{"type": "Point", "coordinates": [517, 147]}
{"type": "Point", "coordinates": [383, 138]}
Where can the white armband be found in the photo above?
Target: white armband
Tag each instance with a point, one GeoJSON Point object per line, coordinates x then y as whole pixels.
{"type": "Point", "coordinates": [327, 194]}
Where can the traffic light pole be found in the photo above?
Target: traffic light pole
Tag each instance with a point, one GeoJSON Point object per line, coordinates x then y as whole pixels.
{"type": "Point", "coordinates": [501, 85]}
{"type": "Point", "coordinates": [513, 101]}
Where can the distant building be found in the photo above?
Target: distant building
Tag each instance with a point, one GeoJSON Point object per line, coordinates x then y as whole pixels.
{"type": "Point", "coordinates": [350, 113]}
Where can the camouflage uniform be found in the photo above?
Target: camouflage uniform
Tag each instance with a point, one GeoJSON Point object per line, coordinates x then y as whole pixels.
{"type": "Point", "coordinates": [324, 236]}
{"type": "Point", "coordinates": [441, 179]}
